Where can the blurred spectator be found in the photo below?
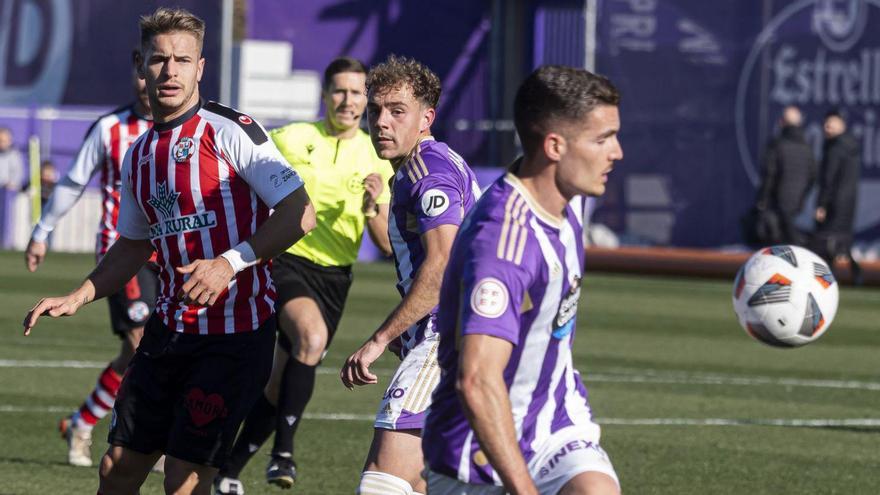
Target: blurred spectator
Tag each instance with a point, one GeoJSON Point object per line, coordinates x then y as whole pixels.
{"type": "Point", "coordinates": [838, 186]}
{"type": "Point", "coordinates": [11, 164]}
{"type": "Point", "coordinates": [789, 173]}
{"type": "Point", "coordinates": [48, 179]}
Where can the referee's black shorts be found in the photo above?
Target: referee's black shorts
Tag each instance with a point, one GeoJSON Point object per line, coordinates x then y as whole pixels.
{"type": "Point", "coordinates": [328, 286]}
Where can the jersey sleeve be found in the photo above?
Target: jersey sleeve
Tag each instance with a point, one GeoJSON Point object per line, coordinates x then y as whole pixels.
{"type": "Point", "coordinates": [88, 158]}
{"type": "Point", "coordinates": [494, 293]}
{"type": "Point", "coordinates": [260, 164]}
{"type": "Point", "coordinates": [132, 223]}
{"type": "Point", "coordinates": [72, 185]}
{"type": "Point", "coordinates": [436, 197]}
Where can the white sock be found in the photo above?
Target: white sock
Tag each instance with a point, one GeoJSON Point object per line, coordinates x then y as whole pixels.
{"type": "Point", "coordinates": [378, 483]}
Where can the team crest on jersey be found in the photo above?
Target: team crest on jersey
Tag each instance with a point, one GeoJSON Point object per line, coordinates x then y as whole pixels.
{"type": "Point", "coordinates": [183, 149]}
{"type": "Point", "coordinates": [355, 184]}
{"type": "Point", "coordinates": [489, 298]}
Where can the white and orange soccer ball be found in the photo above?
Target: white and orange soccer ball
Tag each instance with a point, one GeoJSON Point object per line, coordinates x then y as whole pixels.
{"type": "Point", "coordinates": [785, 296]}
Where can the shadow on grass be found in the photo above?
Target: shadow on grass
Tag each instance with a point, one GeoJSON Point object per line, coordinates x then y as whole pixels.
{"type": "Point", "coordinates": [37, 462]}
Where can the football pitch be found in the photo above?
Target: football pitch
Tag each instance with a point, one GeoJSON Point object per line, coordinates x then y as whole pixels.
{"type": "Point", "coordinates": [688, 403]}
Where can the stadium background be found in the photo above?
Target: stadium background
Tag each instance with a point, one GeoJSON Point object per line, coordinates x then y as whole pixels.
{"type": "Point", "coordinates": [703, 84]}
{"type": "Point", "coordinates": [688, 403]}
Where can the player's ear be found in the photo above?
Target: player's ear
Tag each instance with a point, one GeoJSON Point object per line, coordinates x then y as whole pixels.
{"type": "Point", "coordinates": [554, 146]}
{"type": "Point", "coordinates": [427, 119]}
{"type": "Point", "coordinates": [138, 60]}
{"type": "Point", "coordinates": [201, 69]}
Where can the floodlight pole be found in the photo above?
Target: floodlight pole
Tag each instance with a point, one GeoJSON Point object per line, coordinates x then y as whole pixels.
{"type": "Point", "coordinates": [228, 8]}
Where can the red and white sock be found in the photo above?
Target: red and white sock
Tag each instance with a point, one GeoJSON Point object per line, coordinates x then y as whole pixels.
{"type": "Point", "coordinates": [100, 401]}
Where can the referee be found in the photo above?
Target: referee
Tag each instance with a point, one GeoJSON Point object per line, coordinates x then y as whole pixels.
{"type": "Point", "coordinates": [345, 179]}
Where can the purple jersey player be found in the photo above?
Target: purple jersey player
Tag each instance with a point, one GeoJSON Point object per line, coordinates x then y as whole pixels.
{"type": "Point", "coordinates": [431, 191]}
{"type": "Point", "coordinates": [510, 414]}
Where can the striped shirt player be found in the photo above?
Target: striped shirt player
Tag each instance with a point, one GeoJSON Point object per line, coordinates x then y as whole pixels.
{"type": "Point", "coordinates": [434, 187]}
{"type": "Point", "coordinates": [197, 186]}
{"type": "Point", "coordinates": [515, 273]}
{"type": "Point", "coordinates": [101, 154]}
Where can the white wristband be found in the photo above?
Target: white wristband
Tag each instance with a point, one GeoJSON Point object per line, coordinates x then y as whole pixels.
{"type": "Point", "coordinates": [241, 256]}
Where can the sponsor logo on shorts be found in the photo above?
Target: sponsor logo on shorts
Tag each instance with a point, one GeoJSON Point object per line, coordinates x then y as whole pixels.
{"type": "Point", "coordinates": [138, 311]}
{"type": "Point", "coordinates": [394, 393]}
{"type": "Point", "coordinates": [566, 449]}
{"type": "Point", "coordinates": [204, 408]}
{"type": "Point", "coordinates": [434, 202]}
{"type": "Point", "coordinates": [489, 298]}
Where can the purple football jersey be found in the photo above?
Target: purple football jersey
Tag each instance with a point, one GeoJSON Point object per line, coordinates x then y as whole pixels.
{"type": "Point", "coordinates": [515, 274]}
{"type": "Point", "coordinates": [434, 187]}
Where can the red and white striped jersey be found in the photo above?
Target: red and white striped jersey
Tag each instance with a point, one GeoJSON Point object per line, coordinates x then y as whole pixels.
{"type": "Point", "coordinates": [102, 151]}
{"type": "Point", "coordinates": [197, 186]}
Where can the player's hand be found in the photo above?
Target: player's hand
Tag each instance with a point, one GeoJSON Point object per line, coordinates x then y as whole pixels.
{"type": "Point", "coordinates": [372, 189]}
{"type": "Point", "coordinates": [821, 214]}
{"type": "Point", "coordinates": [51, 306]}
{"type": "Point", "coordinates": [34, 255]}
{"type": "Point", "coordinates": [356, 370]}
{"type": "Point", "coordinates": [207, 281]}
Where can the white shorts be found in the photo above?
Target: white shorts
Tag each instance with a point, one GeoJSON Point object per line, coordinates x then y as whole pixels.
{"type": "Point", "coordinates": [568, 453]}
{"type": "Point", "coordinates": [408, 396]}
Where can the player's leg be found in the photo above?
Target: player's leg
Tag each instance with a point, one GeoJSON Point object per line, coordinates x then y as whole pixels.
{"type": "Point", "coordinates": [394, 464]}
{"type": "Point", "coordinates": [123, 470]}
{"type": "Point", "coordinates": [225, 377]}
{"type": "Point", "coordinates": [396, 449]}
{"type": "Point", "coordinates": [257, 427]}
{"type": "Point", "coordinates": [187, 478]}
{"type": "Point", "coordinates": [301, 325]}
{"type": "Point", "coordinates": [591, 483]}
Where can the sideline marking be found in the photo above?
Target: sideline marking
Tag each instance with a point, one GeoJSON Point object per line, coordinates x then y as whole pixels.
{"type": "Point", "coordinates": [817, 422]}
{"type": "Point", "coordinates": [611, 375]}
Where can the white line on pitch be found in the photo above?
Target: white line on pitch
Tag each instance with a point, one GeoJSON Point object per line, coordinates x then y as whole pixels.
{"type": "Point", "coordinates": [614, 375]}
{"type": "Point", "coordinates": [819, 422]}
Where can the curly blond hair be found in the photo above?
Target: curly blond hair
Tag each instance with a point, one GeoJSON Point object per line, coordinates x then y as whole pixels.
{"type": "Point", "coordinates": [397, 71]}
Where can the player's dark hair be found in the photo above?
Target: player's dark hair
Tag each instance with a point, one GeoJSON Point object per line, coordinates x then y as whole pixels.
{"type": "Point", "coordinates": [168, 20]}
{"type": "Point", "coordinates": [343, 64]}
{"type": "Point", "coordinates": [555, 93]}
{"type": "Point", "coordinates": [397, 71]}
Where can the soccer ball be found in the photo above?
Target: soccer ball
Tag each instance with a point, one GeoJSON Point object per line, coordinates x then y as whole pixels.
{"type": "Point", "coordinates": [785, 296]}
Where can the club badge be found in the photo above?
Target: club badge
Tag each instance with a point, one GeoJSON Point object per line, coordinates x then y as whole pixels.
{"type": "Point", "coordinates": [183, 150]}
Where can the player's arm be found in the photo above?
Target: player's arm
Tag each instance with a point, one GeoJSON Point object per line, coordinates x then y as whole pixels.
{"type": "Point", "coordinates": [486, 403]}
{"type": "Point", "coordinates": [421, 298]}
{"type": "Point", "coordinates": [118, 266]}
{"type": "Point", "coordinates": [65, 194]}
{"type": "Point", "coordinates": [376, 212]}
{"type": "Point", "coordinates": [292, 218]}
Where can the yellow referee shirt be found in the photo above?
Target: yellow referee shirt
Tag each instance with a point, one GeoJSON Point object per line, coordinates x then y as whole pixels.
{"type": "Point", "coordinates": [333, 171]}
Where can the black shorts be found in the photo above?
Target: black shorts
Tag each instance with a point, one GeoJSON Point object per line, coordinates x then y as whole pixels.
{"type": "Point", "coordinates": [131, 306]}
{"type": "Point", "coordinates": [186, 395]}
{"type": "Point", "coordinates": [326, 285]}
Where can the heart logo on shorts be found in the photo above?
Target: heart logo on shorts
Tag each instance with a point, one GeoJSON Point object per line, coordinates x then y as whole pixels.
{"type": "Point", "coordinates": [204, 408]}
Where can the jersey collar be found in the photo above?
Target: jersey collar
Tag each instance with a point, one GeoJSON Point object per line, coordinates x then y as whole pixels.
{"type": "Point", "coordinates": [536, 208]}
{"type": "Point", "coordinates": [171, 124]}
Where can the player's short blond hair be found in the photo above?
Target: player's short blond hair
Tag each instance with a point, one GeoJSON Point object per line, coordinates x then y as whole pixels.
{"type": "Point", "coordinates": [168, 20]}
{"type": "Point", "coordinates": [396, 72]}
